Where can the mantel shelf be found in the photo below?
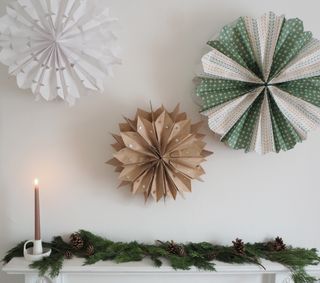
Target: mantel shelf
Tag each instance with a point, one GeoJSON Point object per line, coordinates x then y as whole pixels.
{"type": "Point", "coordinates": [145, 267]}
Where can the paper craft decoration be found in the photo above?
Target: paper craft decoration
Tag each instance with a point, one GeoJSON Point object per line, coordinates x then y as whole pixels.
{"type": "Point", "coordinates": [261, 86]}
{"type": "Point", "coordinates": [159, 153]}
{"type": "Point", "coordinates": [58, 48]}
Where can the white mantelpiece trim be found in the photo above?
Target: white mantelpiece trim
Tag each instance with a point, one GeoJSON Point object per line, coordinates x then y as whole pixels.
{"type": "Point", "coordinates": [145, 267]}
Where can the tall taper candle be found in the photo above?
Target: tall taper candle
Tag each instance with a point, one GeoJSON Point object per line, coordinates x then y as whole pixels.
{"type": "Point", "coordinates": [37, 233]}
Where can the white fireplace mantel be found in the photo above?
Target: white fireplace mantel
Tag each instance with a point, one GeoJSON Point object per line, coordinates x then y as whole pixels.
{"type": "Point", "coordinates": [74, 271]}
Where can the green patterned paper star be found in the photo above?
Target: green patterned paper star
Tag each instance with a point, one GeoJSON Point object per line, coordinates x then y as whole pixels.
{"type": "Point", "coordinates": [261, 84]}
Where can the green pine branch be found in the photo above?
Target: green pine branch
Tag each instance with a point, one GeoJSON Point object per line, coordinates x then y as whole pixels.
{"type": "Point", "coordinates": [180, 256]}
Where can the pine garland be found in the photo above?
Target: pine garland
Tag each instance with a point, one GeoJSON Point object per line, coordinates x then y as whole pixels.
{"type": "Point", "coordinates": [180, 256]}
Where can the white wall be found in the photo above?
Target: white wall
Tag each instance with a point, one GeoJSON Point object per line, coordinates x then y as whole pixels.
{"type": "Point", "coordinates": [243, 195]}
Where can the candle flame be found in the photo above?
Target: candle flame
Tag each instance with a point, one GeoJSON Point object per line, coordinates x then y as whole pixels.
{"type": "Point", "coordinates": [36, 182]}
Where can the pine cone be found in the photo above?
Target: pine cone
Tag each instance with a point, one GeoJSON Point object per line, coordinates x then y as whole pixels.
{"type": "Point", "coordinates": [171, 247]}
{"type": "Point", "coordinates": [211, 256]}
{"type": "Point", "coordinates": [278, 244]}
{"type": "Point", "coordinates": [176, 249]}
{"type": "Point", "coordinates": [68, 254]}
{"type": "Point", "coordinates": [76, 241]}
{"type": "Point", "coordinates": [181, 250]}
{"type": "Point", "coordinates": [90, 250]}
{"type": "Point", "coordinates": [238, 246]}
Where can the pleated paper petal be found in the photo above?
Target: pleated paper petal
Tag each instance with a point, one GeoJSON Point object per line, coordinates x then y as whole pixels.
{"type": "Point", "coordinates": [261, 84]}
{"type": "Point", "coordinates": [58, 48]}
{"type": "Point", "coordinates": [159, 153]}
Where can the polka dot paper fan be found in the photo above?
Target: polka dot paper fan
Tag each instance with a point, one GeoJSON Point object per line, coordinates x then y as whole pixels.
{"type": "Point", "coordinates": [260, 87]}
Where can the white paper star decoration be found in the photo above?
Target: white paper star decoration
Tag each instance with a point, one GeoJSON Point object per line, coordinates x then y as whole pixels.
{"type": "Point", "coordinates": [58, 48]}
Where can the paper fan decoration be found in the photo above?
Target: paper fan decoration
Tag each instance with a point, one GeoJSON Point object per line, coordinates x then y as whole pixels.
{"type": "Point", "coordinates": [159, 153]}
{"type": "Point", "coordinates": [58, 48]}
{"type": "Point", "coordinates": [261, 84]}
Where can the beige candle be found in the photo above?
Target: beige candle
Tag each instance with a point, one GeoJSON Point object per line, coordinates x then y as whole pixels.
{"type": "Point", "coordinates": [37, 234]}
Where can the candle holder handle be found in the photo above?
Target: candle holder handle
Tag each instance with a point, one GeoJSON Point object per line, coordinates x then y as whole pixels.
{"type": "Point", "coordinates": [25, 246]}
{"type": "Point", "coordinates": [36, 252]}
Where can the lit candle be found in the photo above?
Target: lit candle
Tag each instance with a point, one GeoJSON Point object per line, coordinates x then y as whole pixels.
{"type": "Point", "coordinates": [37, 233]}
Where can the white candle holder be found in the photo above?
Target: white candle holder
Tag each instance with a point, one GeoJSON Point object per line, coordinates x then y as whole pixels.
{"type": "Point", "coordinates": [37, 252]}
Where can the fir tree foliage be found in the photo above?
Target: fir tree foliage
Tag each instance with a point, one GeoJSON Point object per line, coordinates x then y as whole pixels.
{"type": "Point", "coordinates": [180, 256]}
